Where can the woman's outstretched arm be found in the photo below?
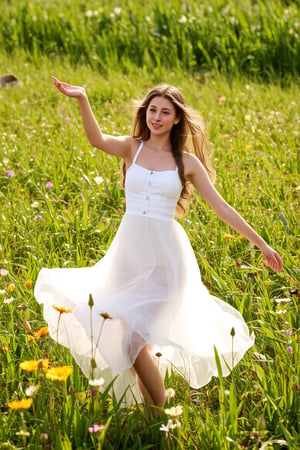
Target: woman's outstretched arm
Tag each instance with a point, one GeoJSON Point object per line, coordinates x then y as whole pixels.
{"type": "Point", "coordinates": [197, 174]}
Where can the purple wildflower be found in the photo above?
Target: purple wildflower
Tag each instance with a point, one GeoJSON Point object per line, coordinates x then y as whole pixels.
{"type": "Point", "coordinates": [68, 119]}
{"type": "Point", "coordinates": [49, 185]}
{"type": "Point", "coordinates": [289, 349]}
{"type": "Point", "coordinates": [95, 428]}
{"type": "Point", "coordinates": [288, 332]}
{"type": "Point", "coordinates": [10, 173]}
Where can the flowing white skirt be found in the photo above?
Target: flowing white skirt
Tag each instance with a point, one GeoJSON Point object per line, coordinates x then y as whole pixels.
{"type": "Point", "coordinates": [150, 285]}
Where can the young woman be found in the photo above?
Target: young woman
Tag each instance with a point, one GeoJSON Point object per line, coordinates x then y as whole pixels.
{"type": "Point", "coordinates": [149, 308]}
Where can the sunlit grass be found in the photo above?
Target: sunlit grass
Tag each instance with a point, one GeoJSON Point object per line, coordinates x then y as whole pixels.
{"type": "Point", "coordinates": [254, 37]}
{"type": "Point", "coordinates": [60, 205]}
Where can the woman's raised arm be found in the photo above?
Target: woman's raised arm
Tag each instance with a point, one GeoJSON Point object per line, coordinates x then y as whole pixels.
{"type": "Point", "coordinates": [118, 146]}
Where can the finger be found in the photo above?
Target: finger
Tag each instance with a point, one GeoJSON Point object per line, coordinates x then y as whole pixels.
{"type": "Point", "coordinates": [54, 80]}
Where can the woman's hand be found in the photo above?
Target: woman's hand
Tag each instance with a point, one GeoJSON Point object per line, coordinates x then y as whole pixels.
{"type": "Point", "coordinates": [68, 89]}
{"type": "Point", "coordinates": [272, 259]}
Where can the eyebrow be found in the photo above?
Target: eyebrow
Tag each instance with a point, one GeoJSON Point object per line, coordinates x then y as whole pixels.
{"type": "Point", "coordinates": [164, 109]}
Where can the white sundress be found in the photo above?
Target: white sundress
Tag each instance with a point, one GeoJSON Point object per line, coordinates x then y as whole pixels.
{"type": "Point", "coordinates": [150, 285]}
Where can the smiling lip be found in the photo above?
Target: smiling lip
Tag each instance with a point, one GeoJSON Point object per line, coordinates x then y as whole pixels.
{"type": "Point", "coordinates": [156, 125]}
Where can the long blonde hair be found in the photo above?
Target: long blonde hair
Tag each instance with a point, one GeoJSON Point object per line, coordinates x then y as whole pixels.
{"type": "Point", "coordinates": [187, 135]}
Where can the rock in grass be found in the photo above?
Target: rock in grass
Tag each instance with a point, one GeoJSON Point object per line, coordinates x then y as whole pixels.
{"type": "Point", "coordinates": [9, 80]}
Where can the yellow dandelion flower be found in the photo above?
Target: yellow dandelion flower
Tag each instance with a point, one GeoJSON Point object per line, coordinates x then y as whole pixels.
{"type": "Point", "coordinates": [28, 284]}
{"type": "Point", "coordinates": [59, 373]}
{"type": "Point", "coordinates": [4, 348]}
{"type": "Point", "coordinates": [10, 287]}
{"type": "Point", "coordinates": [20, 404]}
{"type": "Point", "coordinates": [41, 333]}
{"type": "Point", "coordinates": [32, 365]}
{"type": "Point", "coordinates": [62, 309]}
{"type": "Point", "coordinates": [228, 236]}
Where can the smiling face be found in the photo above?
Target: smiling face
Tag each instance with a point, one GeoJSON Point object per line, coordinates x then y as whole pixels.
{"type": "Point", "coordinates": [161, 116]}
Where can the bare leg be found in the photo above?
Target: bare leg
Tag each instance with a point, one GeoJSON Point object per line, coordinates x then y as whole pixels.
{"type": "Point", "coordinates": [150, 379]}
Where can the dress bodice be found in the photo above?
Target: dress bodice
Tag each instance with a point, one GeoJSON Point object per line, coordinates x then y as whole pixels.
{"type": "Point", "coordinates": [151, 193]}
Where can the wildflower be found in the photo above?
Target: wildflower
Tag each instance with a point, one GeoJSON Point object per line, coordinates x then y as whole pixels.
{"type": "Point", "coordinates": [97, 383]}
{"type": "Point", "coordinates": [38, 217]}
{"type": "Point", "coordinates": [28, 284]}
{"type": "Point", "coordinates": [105, 315]}
{"type": "Point", "coordinates": [10, 287]}
{"type": "Point", "coordinates": [23, 433]}
{"type": "Point", "coordinates": [41, 333]}
{"type": "Point", "coordinates": [289, 349]}
{"type": "Point", "coordinates": [62, 309]}
{"type": "Point", "coordinates": [98, 180]}
{"type": "Point", "coordinates": [20, 404]}
{"type": "Point", "coordinates": [95, 428]}
{"type": "Point", "coordinates": [3, 272]}
{"type": "Point", "coordinates": [32, 365]}
{"type": "Point", "coordinates": [228, 236]}
{"type": "Point", "coordinates": [68, 119]}
{"type": "Point", "coordinates": [165, 428]}
{"type": "Point", "coordinates": [170, 426]}
{"type": "Point", "coordinates": [117, 10]}
{"type": "Point", "coordinates": [281, 301]}
{"type": "Point", "coordinates": [31, 391]}
{"type": "Point", "coordinates": [169, 393]}
{"type": "Point", "coordinates": [175, 411]}
{"type": "Point", "coordinates": [182, 19]}
{"type": "Point", "coordinates": [49, 185]}
{"type": "Point", "coordinates": [93, 392]}
{"type": "Point", "coordinates": [4, 348]}
{"type": "Point", "coordinates": [221, 98]}
{"type": "Point", "coordinates": [35, 204]}
{"type": "Point", "coordinates": [288, 332]}
{"type": "Point", "coordinates": [10, 173]}
{"type": "Point", "coordinates": [59, 373]}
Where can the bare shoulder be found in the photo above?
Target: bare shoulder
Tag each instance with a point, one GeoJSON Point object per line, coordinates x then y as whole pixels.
{"type": "Point", "coordinates": [121, 146]}
{"type": "Point", "coordinates": [192, 165]}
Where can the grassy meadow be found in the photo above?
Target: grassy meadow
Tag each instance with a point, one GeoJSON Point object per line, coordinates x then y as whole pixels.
{"type": "Point", "coordinates": [61, 204]}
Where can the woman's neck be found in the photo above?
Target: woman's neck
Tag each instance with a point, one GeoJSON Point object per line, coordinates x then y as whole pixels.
{"type": "Point", "coordinates": [159, 145]}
